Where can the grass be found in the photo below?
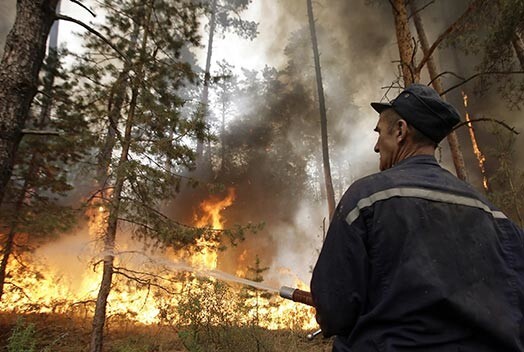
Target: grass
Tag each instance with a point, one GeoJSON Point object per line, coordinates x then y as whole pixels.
{"type": "Point", "coordinates": [61, 333]}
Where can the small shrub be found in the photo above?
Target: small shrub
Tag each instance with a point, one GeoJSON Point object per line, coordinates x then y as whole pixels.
{"type": "Point", "coordinates": [134, 344]}
{"type": "Point", "coordinates": [23, 338]}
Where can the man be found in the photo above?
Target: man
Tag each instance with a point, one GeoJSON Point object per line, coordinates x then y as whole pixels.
{"type": "Point", "coordinates": [414, 258]}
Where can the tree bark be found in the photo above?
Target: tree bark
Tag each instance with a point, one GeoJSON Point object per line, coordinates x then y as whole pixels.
{"type": "Point", "coordinates": [330, 194]}
{"type": "Point", "coordinates": [454, 146]}
{"type": "Point", "coordinates": [6, 253]}
{"type": "Point", "coordinates": [405, 44]}
{"type": "Point", "coordinates": [112, 224]}
{"type": "Point", "coordinates": [23, 55]}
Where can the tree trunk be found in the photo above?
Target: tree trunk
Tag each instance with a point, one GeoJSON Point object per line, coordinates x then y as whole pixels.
{"type": "Point", "coordinates": [110, 236]}
{"type": "Point", "coordinates": [518, 45]}
{"type": "Point", "coordinates": [223, 136]}
{"type": "Point", "coordinates": [207, 76]}
{"type": "Point", "coordinates": [23, 55]}
{"type": "Point", "coordinates": [405, 43]}
{"type": "Point", "coordinates": [454, 146]}
{"type": "Point", "coordinates": [115, 107]}
{"type": "Point", "coordinates": [323, 118]}
{"type": "Point", "coordinates": [6, 253]}
{"type": "Point", "coordinates": [320, 170]}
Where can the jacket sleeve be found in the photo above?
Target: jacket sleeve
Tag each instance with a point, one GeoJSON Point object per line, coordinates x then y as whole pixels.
{"type": "Point", "coordinates": [339, 281]}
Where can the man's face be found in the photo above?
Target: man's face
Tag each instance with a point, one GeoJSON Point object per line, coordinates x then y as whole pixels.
{"type": "Point", "coordinates": [387, 145]}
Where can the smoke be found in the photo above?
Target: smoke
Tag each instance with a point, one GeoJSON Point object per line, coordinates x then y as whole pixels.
{"type": "Point", "coordinates": [358, 52]}
{"type": "Point", "coordinates": [7, 18]}
{"type": "Point", "coordinates": [356, 63]}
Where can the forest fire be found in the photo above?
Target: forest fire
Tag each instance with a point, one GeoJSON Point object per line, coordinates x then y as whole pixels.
{"type": "Point", "coordinates": [478, 153]}
{"type": "Point", "coordinates": [207, 251]}
{"type": "Point", "coordinates": [53, 285]}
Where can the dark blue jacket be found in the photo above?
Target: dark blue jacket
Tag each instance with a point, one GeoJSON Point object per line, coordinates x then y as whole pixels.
{"type": "Point", "coordinates": [417, 260]}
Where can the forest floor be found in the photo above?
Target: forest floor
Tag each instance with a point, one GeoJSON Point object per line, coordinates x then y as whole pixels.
{"type": "Point", "coordinates": [61, 333]}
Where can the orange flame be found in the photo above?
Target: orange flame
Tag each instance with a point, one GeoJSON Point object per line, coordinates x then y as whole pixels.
{"type": "Point", "coordinates": [207, 249]}
{"type": "Point", "coordinates": [478, 153]}
{"type": "Point", "coordinates": [212, 209]}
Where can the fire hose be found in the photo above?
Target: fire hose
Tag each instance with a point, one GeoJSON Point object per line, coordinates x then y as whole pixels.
{"type": "Point", "coordinates": [299, 296]}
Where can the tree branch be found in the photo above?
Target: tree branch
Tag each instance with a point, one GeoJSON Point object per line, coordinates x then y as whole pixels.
{"type": "Point", "coordinates": [19, 288]}
{"type": "Point", "coordinates": [422, 8]}
{"type": "Point", "coordinates": [84, 303]}
{"type": "Point", "coordinates": [42, 132]}
{"type": "Point", "coordinates": [134, 275]}
{"type": "Point", "coordinates": [442, 74]}
{"type": "Point", "coordinates": [94, 31]}
{"type": "Point", "coordinates": [84, 6]}
{"type": "Point", "coordinates": [477, 75]}
{"type": "Point", "coordinates": [164, 169]}
{"type": "Point", "coordinates": [512, 129]}
{"type": "Point", "coordinates": [452, 28]}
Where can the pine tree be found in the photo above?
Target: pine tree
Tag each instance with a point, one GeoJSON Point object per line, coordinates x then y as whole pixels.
{"type": "Point", "coordinates": [223, 15]}
{"type": "Point", "coordinates": [138, 97]}
{"type": "Point", "coordinates": [226, 83]}
{"type": "Point", "coordinates": [35, 203]}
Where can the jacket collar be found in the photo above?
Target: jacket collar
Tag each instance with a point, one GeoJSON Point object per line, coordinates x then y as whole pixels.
{"type": "Point", "coordinates": [418, 159]}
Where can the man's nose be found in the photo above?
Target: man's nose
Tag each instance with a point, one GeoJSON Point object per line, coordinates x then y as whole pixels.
{"type": "Point", "coordinates": [376, 148]}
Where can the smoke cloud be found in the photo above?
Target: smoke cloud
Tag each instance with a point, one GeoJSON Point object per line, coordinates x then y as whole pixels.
{"type": "Point", "coordinates": [358, 52]}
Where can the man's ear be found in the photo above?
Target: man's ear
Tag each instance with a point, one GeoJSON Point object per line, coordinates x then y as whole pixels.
{"type": "Point", "coordinates": [401, 130]}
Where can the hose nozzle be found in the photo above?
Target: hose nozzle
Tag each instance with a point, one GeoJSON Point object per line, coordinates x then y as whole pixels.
{"type": "Point", "coordinates": [296, 295]}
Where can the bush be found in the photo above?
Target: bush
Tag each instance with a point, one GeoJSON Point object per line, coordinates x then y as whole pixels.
{"type": "Point", "coordinates": [22, 338]}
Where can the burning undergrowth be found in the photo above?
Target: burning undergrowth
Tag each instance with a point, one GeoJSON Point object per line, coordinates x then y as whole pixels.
{"type": "Point", "coordinates": [151, 286]}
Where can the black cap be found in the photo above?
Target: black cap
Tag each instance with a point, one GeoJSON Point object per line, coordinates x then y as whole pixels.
{"type": "Point", "coordinates": [422, 107]}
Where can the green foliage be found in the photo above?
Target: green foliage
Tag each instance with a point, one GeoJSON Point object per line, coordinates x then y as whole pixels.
{"type": "Point", "coordinates": [507, 183]}
{"type": "Point", "coordinates": [147, 94]}
{"type": "Point", "coordinates": [228, 18]}
{"type": "Point", "coordinates": [213, 316]}
{"type": "Point", "coordinates": [22, 338]}
{"type": "Point", "coordinates": [489, 38]}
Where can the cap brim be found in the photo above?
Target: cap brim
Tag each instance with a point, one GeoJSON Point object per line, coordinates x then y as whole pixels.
{"type": "Point", "coordinates": [379, 107]}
